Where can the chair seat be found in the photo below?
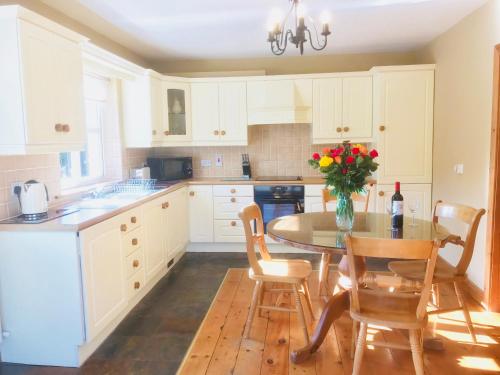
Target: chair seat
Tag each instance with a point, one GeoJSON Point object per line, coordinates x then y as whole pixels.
{"type": "Point", "coordinates": [283, 270]}
{"type": "Point", "coordinates": [393, 310]}
{"type": "Point", "coordinates": [415, 270]}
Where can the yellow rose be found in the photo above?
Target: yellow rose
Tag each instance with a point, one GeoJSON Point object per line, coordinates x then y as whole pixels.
{"type": "Point", "coordinates": [325, 161]}
{"type": "Point", "coordinates": [363, 150]}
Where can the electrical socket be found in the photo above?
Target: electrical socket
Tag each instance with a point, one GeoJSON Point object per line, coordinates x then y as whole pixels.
{"type": "Point", "coordinates": [13, 187]}
{"type": "Point", "coordinates": [218, 160]}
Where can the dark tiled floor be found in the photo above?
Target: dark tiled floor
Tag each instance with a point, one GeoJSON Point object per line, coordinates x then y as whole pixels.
{"type": "Point", "coordinates": [158, 331]}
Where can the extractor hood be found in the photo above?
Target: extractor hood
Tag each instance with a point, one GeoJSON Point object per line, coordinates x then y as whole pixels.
{"type": "Point", "coordinates": [279, 101]}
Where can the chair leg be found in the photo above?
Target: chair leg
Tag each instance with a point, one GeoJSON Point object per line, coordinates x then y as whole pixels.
{"type": "Point", "coordinates": [417, 351]}
{"type": "Point", "coordinates": [260, 298]}
{"type": "Point", "coordinates": [253, 306]}
{"type": "Point", "coordinates": [435, 295]}
{"type": "Point", "coordinates": [354, 337]}
{"type": "Point", "coordinates": [324, 270]}
{"type": "Point", "coordinates": [360, 349]}
{"type": "Point", "coordinates": [300, 312]}
{"type": "Point", "coordinates": [307, 295]}
{"type": "Point", "coordinates": [463, 305]}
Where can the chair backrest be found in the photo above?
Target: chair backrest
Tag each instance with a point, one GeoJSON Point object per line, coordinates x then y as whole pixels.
{"type": "Point", "coordinates": [467, 215]}
{"type": "Point", "coordinates": [394, 249]}
{"type": "Point", "coordinates": [328, 197]}
{"type": "Point", "coordinates": [249, 215]}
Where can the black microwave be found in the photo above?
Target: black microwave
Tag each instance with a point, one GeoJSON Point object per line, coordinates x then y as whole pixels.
{"type": "Point", "coordinates": [171, 168]}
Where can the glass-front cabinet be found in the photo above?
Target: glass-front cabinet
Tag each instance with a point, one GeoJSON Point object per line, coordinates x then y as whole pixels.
{"type": "Point", "coordinates": [176, 112]}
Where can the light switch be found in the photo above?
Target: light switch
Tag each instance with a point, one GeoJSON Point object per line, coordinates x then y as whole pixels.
{"type": "Point", "coordinates": [206, 163]}
{"type": "Point", "coordinates": [458, 168]}
{"type": "Point", "coordinates": [218, 160]}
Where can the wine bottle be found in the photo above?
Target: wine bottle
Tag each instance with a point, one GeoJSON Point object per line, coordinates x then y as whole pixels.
{"type": "Point", "coordinates": [397, 208]}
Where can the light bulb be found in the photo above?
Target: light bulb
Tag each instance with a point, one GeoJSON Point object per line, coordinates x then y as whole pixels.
{"type": "Point", "coordinates": [275, 18]}
{"type": "Point", "coordinates": [325, 17]}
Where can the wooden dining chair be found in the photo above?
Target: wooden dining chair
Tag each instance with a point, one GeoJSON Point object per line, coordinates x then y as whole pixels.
{"type": "Point", "coordinates": [383, 307]}
{"type": "Point", "coordinates": [293, 272]}
{"type": "Point", "coordinates": [446, 273]}
{"type": "Point", "coordinates": [324, 269]}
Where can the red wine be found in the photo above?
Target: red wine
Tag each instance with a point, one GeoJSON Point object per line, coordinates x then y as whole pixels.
{"type": "Point", "coordinates": [397, 208]}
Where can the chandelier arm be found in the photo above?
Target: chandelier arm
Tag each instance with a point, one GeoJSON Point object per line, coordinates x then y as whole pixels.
{"type": "Point", "coordinates": [279, 50]}
{"type": "Point", "coordinates": [320, 47]}
{"type": "Point", "coordinates": [284, 34]}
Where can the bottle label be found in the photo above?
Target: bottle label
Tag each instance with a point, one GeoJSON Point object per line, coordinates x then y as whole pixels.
{"type": "Point", "coordinates": [397, 208]}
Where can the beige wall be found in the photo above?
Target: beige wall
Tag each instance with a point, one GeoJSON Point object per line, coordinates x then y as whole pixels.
{"type": "Point", "coordinates": [64, 20]}
{"type": "Point", "coordinates": [290, 65]}
{"type": "Point", "coordinates": [464, 58]}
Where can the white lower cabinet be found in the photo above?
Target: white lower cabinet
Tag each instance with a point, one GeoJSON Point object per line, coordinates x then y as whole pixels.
{"type": "Point", "coordinates": [313, 201]}
{"type": "Point", "coordinates": [419, 195]}
{"type": "Point", "coordinates": [177, 222]}
{"type": "Point", "coordinates": [155, 224]}
{"type": "Point", "coordinates": [201, 213]}
{"type": "Point", "coordinates": [229, 231]}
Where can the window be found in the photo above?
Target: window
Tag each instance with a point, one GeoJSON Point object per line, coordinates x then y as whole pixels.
{"type": "Point", "coordinates": [87, 166]}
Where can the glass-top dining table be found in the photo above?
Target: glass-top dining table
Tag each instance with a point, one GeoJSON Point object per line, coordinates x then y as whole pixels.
{"type": "Point", "coordinates": [317, 232]}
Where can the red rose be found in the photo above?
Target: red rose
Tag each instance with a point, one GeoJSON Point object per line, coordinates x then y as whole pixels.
{"type": "Point", "coordinates": [355, 151]}
{"type": "Point", "coordinates": [373, 153]}
{"type": "Point", "coordinates": [340, 150]}
{"type": "Point", "coordinates": [344, 171]}
{"type": "Point", "coordinates": [349, 160]}
{"type": "Point", "coordinates": [316, 156]}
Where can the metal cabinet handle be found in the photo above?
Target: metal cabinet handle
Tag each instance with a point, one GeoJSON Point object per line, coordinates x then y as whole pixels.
{"type": "Point", "coordinates": [135, 263]}
{"type": "Point", "coordinates": [233, 191]}
{"type": "Point", "coordinates": [135, 241]}
{"type": "Point", "coordinates": [191, 193]}
{"type": "Point", "coordinates": [58, 127]}
{"type": "Point", "coordinates": [216, 132]}
{"type": "Point", "coordinates": [339, 129]}
{"type": "Point", "coordinates": [381, 193]}
{"type": "Point", "coordinates": [233, 223]}
{"type": "Point", "coordinates": [233, 200]}
{"type": "Point", "coordinates": [381, 128]}
{"type": "Point", "coordinates": [223, 132]}
{"type": "Point", "coordinates": [133, 220]}
{"type": "Point", "coordinates": [123, 227]}
{"type": "Point", "coordinates": [137, 285]}
{"type": "Point", "coordinates": [346, 129]}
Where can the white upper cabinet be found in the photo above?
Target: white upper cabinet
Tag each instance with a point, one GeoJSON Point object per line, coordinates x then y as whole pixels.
{"type": "Point", "coordinates": [41, 95]}
{"type": "Point", "coordinates": [176, 122]}
{"type": "Point", "coordinates": [219, 113]}
{"type": "Point", "coordinates": [279, 101]}
{"type": "Point", "coordinates": [403, 123]}
{"type": "Point", "coordinates": [342, 109]}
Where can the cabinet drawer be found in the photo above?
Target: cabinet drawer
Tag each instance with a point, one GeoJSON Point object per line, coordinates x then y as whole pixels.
{"type": "Point", "coordinates": [229, 231]}
{"type": "Point", "coordinates": [136, 283]}
{"type": "Point", "coordinates": [233, 190]}
{"type": "Point", "coordinates": [229, 207]}
{"type": "Point", "coordinates": [130, 220]}
{"type": "Point", "coordinates": [132, 241]}
{"type": "Point", "coordinates": [134, 262]}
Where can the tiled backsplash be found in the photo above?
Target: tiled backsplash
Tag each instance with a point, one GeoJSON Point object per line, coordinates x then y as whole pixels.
{"type": "Point", "coordinates": [274, 150]}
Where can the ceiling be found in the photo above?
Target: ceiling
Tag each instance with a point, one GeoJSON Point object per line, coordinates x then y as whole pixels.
{"type": "Point", "coordinates": [200, 29]}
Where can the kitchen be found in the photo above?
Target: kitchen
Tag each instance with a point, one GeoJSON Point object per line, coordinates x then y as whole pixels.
{"type": "Point", "coordinates": [115, 176]}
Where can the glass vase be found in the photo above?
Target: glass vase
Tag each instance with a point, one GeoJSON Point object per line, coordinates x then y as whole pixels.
{"type": "Point", "coordinates": [345, 212]}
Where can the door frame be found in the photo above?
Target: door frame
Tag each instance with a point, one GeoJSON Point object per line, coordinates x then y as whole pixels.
{"type": "Point", "coordinates": [492, 287]}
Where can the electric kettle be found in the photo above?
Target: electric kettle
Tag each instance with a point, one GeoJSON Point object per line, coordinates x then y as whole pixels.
{"type": "Point", "coordinates": [33, 197]}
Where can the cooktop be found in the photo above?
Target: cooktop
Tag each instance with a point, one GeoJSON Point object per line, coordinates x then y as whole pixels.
{"type": "Point", "coordinates": [51, 214]}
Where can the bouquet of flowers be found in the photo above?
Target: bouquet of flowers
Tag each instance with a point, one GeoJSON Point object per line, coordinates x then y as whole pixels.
{"type": "Point", "coordinates": [346, 168]}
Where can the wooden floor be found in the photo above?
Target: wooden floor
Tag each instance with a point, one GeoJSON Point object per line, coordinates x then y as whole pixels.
{"type": "Point", "coordinates": [219, 349]}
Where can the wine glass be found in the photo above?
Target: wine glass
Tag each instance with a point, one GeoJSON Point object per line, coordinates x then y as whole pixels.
{"type": "Point", "coordinates": [413, 207]}
{"type": "Point", "coordinates": [388, 209]}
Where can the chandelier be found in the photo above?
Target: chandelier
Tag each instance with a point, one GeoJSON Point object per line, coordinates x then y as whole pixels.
{"type": "Point", "coordinates": [279, 38]}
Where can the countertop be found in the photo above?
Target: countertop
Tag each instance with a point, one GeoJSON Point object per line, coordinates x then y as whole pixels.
{"type": "Point", "coordinates": [87, 217]}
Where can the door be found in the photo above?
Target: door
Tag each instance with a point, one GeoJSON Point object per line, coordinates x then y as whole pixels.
{"type": "Point", "coordinates": [327, 110]}
{"type": "Point", "coordinates": [233, 112]}
{"type": "Point", "coordinates": [416, 196]}
{"type": "Point", "coordinates": [155, 230]}
{"type": "Point", "coordinates": [205, 110]}
{"type": "Point", "coordinates": [201, 214]}
{"type": "Point", "coordinates": [357, 108]}
{"type": "Point", "coordinates": [104, 275]}
{"type": "Point", "coordinates": [403, 119]}
{"type": "Point", "coordinates": [40, 83]}
{"type": "Point", "coordinates": [177, 111]}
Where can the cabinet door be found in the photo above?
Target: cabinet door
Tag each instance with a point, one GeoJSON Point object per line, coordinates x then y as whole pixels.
{"type": "Point", "coordinates": [413, 194]}
{"type": "Point", "coordinates": [104, 275]}
{"type": "Point", "coordinates": [233, 112]}
{"type": "Point", "coordinates": [177, 111]}
{"type": "Point", "coordinates": [177, 222]}
{"type": "Point", "coordinates": [403, 119]}
{"type": "Point", "coordinates": [40, 82]}
{"type": "Point", "coordinates": [327, 110]}
{"type": "Point", "coordinates": [201, 214]}
{"type": "Point", "coordinates": [357, 108]}
{"type": "Point", "coordinates": [69, 90]}
{"type": "Point", "coordinates": [205, 110]}
{"type": "Point", "coordinates": [155, 230]}
{"type": "Point", "coordinates": [155, 110]}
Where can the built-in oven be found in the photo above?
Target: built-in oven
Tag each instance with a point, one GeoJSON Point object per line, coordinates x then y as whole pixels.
{"type": "Point", "coordinates": [279, 200]}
